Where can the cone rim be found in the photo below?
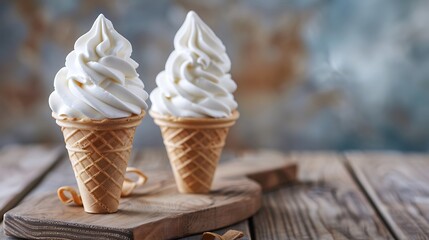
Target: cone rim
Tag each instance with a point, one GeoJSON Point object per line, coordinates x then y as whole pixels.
{"type": "Point", "coordinates": [190, 122]}
{"type": "Point", "coordinates": [107, 123]}
{"type": "Point", "coordinates": [104, 120]}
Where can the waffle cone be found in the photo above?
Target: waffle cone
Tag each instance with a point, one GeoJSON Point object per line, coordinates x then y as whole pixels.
{"type": "Point", "coordinates": [99, 151]}
{"type": "Point", "coordinates": [194, 146]}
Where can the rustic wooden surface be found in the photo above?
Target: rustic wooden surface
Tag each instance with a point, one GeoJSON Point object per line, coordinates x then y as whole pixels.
{"type": "Point", "coordinates": [142, 216]}
{"type": "Point", "coordinates": [146, 160]}
{"type": "Point", "coordinates": [398, 184]}
{"type": "Point", "coordinates": [325, 203]}
{"type": "Point", "coordinates": [147, 213]}
{"type": "Point", "coordinates": [336, 196]}
{"type": "Point", "coordinates": [21, 168]}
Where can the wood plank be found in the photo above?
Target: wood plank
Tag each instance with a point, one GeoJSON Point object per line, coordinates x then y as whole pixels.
{"type": "Point", "coordinates": [398, 185]}
{"type": "Point", "coordinates": [325, 203]}
{"type": "Point", "coordinates": [22, 167]}
{"type": "Point", "coordinates": [60, 175]}
{"type": "Point", "coordinates": [164, 214]}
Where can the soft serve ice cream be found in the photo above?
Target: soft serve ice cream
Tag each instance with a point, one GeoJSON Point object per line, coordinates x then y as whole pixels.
{"type": "Point", "coordinates": [99, 79]}
{"type": "Point", "coordinates": [98, 102]}
{"type": "Point", "coordinates": [196, 80]}
{"type": "Point", "coordinates": [193, 105]}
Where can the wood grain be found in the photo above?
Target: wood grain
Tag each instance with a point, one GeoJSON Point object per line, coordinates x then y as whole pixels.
{"type": "Point", "coordinates": [154, 211]}
{"type": "Point", "coordinates": [22, 167]}
{"type": "Point", "coordinates": [60, 175]}
{"type": "Point", "coordinates": [325, 203]}
{"type": "Point", "coordinates": [398, 184]}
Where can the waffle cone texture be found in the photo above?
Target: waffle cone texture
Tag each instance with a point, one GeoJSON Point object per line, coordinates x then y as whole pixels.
{"type": "Point", "coordinates": [194, 146]}
{"type": "Point", "coordinates": [99, 151]}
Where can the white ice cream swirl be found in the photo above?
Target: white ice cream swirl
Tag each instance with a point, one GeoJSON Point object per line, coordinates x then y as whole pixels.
{"type": "Point", "coordinates": [99, 79]}
{"type": "Point", "coordinates": [196, 80]}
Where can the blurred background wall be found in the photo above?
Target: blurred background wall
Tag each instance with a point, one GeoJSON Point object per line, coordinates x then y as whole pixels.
{"type": "Point", "coordinates": [311, 74]}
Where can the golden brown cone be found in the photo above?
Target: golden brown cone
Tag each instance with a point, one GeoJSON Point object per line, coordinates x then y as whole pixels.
{"type": "Point", "coordinates": [194, 146]}
{"type": "Point", "coordinates": [99, 151]}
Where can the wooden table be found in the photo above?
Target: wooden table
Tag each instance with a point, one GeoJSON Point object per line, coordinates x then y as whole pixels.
{"type": "Point", "coordinates": [356, 195]}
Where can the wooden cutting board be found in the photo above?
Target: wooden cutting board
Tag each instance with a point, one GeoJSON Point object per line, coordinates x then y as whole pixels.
{"type": "Point", "coordinates": [19, 173]}
{"type": "Point", "coordinates": [157, 210]}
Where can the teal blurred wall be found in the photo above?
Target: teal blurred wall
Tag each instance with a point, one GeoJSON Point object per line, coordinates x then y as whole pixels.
{"type": "Point", "coordinates": [337, 74]}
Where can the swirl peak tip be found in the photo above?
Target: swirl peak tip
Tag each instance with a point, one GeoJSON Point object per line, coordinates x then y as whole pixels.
{"type": "Point", "coordinates": [101, 19]}
{"type": "Point", "coordinates": [101, 16]}
{"type": "Point", "coordinates": [192, 16]}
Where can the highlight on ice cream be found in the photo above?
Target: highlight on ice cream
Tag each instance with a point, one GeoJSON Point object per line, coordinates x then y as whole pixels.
{"type": "Point", "coordinates": [196, 80]}
{"type": "Point", "coordinates": [99, 79]}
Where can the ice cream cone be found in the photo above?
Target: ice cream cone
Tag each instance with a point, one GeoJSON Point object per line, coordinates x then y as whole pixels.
{"type": "Point", "coordinates": [194, 146]}
{"type": "Point", "coordinates": [99, 152]}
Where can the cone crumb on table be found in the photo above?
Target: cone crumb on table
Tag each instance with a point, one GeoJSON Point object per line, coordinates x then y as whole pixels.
{"type": "Point", "coordinates": [193, 104]}
{"type": "Point", "coordinates": [98, 102]}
